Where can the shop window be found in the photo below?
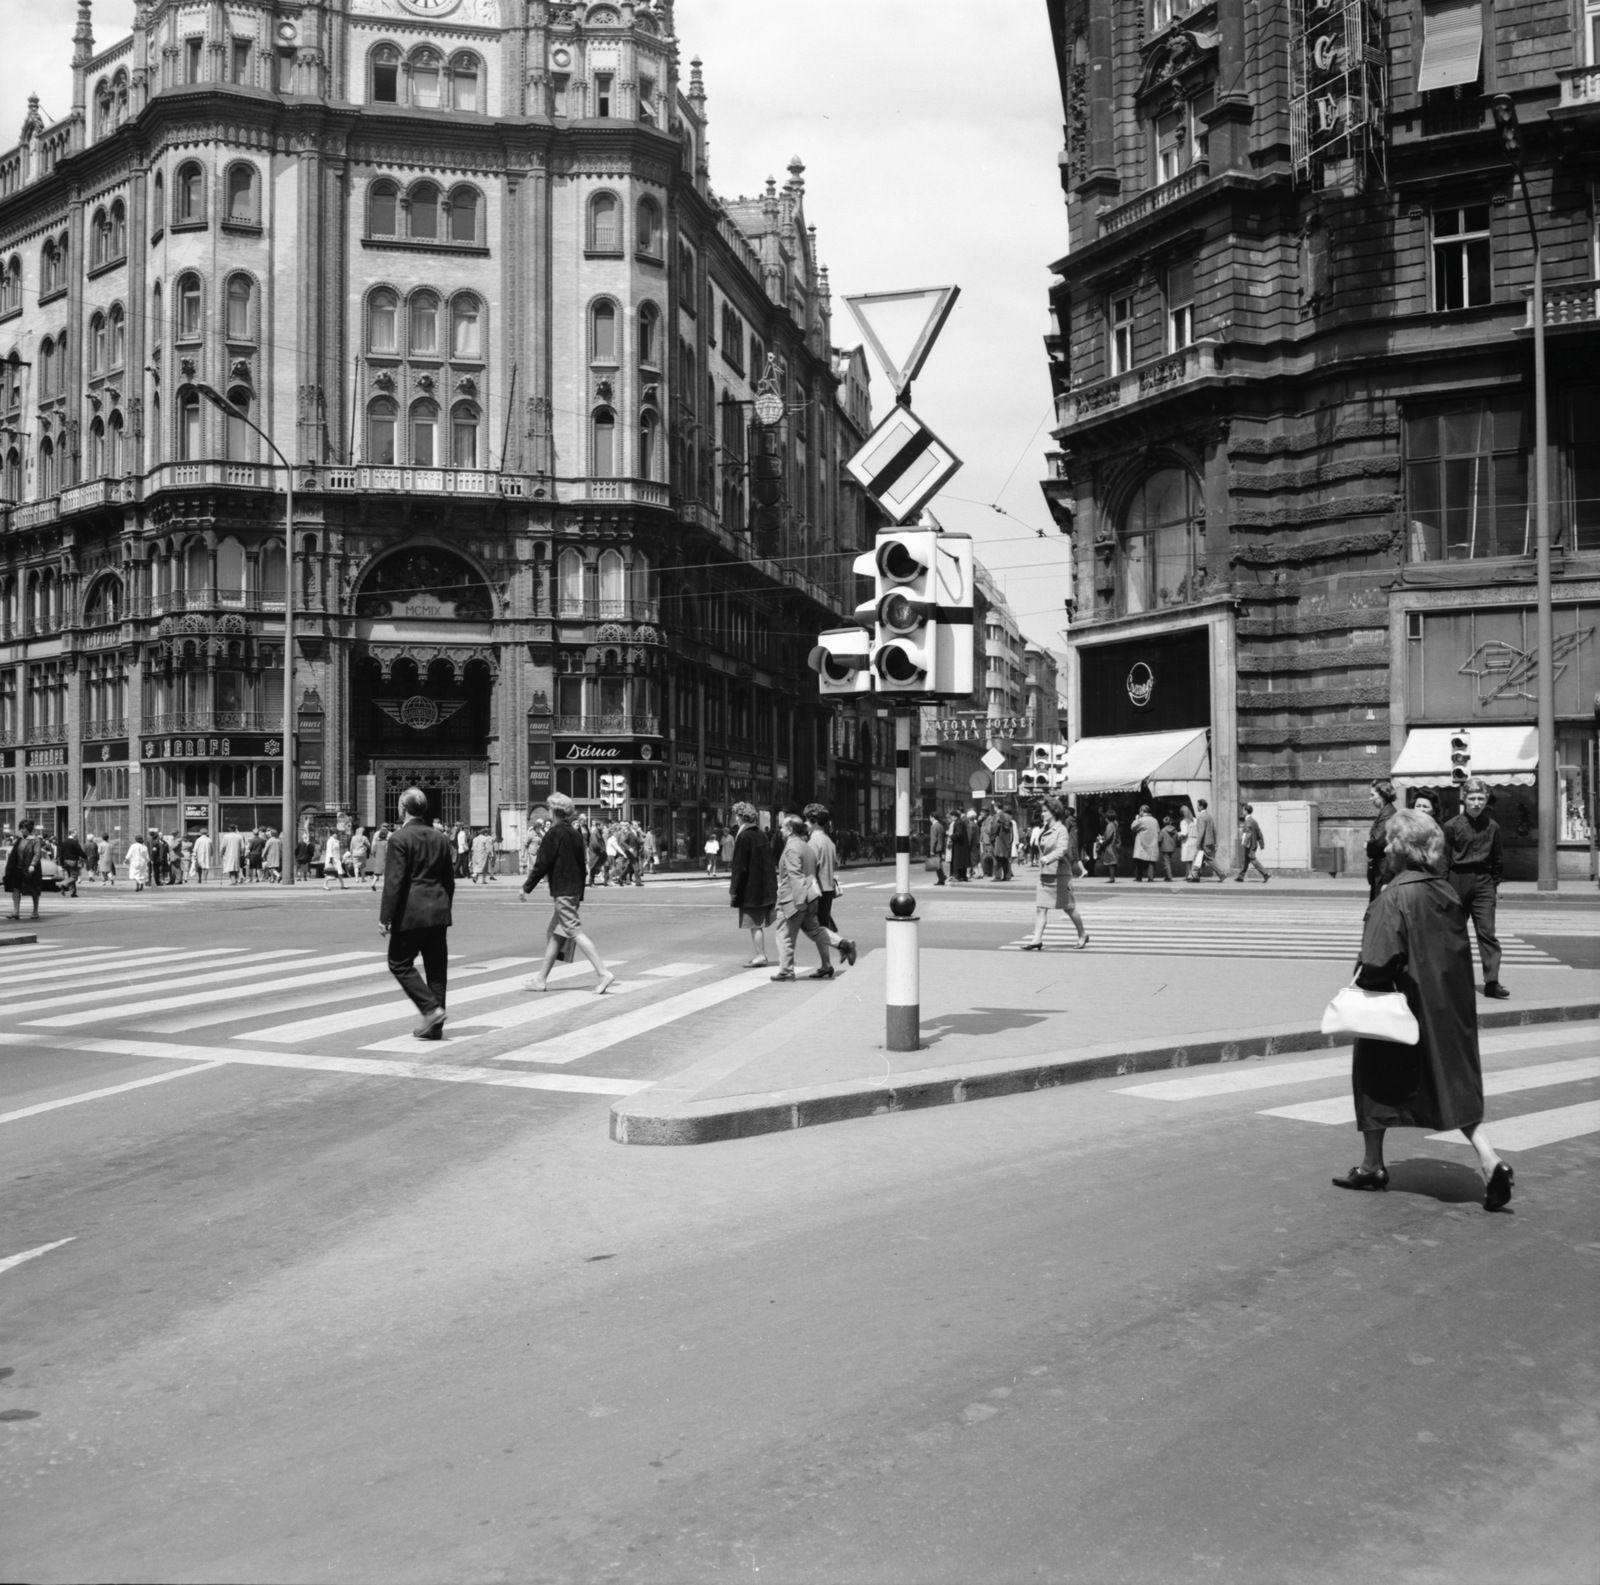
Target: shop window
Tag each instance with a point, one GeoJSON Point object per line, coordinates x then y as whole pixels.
{"type": "Point", "coordinates": [1461, 258]}
{"type": "Point", "coordinates": [1579, 513]}
{"type": "Point", "coordinates": [1575, 788]}
{"type": "Point", "coordinates": [1162, 533]}
{"type": "Point", "coordinates": [1467, 482]}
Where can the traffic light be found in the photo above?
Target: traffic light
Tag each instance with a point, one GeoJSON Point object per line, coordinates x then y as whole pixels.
{"type": "Point", "coordinates": [841, 660]}
{"type": "Point", "coordinates": [1033, 784]}
{"type": "Point", "coordinates": [921, 612]}
{"type": "Point", "coordinates": [613, 791]}
{"type": "Point", "coordinates": [1460, 756]}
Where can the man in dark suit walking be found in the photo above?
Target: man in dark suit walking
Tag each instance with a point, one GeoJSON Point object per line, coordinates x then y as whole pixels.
{"type": "Point", "coordinates": [419, 881]}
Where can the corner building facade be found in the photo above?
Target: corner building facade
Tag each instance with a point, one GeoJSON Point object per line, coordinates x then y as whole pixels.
{"type": "Point", "coordinates": [1294, 381]}
{"type": "Point", "coordinates": [462, 261]}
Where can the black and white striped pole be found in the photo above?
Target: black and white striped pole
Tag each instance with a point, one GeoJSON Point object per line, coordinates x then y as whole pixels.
{"type": "Point", "coordinates": [903, 1000]}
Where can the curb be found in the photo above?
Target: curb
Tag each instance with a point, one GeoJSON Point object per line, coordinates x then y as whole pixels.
{"type": "Point", "coordinates": [689, 1122]}
{"type": "Point", "coordinates": [18, 941]}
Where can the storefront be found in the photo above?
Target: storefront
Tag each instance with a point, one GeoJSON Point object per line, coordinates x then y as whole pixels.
{"type": "Point", "coordinates": [620, 779]}
{"type": "Point", "coordinates": [1473, 671]}
{"type": "Point", "coordinates": [212, 783]}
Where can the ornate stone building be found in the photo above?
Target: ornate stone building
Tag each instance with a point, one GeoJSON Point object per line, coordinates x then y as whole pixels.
{"type": "Point", "coordinates": [462, 261]}
{"type": "Point", "coordinates": [1293, 371]}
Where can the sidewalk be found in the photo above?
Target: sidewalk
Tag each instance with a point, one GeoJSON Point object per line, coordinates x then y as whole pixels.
{"type": "Point", "coordinates": [997, 1023]}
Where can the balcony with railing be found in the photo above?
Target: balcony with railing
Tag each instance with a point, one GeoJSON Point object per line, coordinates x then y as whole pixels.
{"type": "Point", "coordinates": [1580, 87]}
{"type": "Point", "coordinates": [106, 729]}
{"type": "Point", "coordinates": [212, 721]}
{"type": "Point", "coordinates": [34, 514]}
{"type": "Point", "coordinates": [608, 725]}
{"type": "Point", "coordinates": [1570, 303]}
{"type": "Point", "coordinates": [1143, 205]}
{"type": "Point", "coordinates": [1159, 377]}
{"type": "Point", "coordinates": [175, 602]}
{"type": "Point", "coordinates": [570, 610]}
{"type": "Point", "coordinates": [639, 492]}
{"type": "Point", "coordinates": [47, 734]}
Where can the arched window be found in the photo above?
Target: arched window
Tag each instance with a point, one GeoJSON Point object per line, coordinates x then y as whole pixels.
{"type": "Point", "coordinates": [47, 375]}
{"type": "Point", "coordinates": [424, 435]}
{"type": "Point", "coordinates": [384, 64]}
{"type": "Point", "coordinates": [613, 583]}
{"type": "Point", "coordinates": [47, 468]}
{"type": "Point", "coordinates": [239, 438]}
{"type": "Point", "coordinates": [380, 432]}
{"type": "Point", "coordinates": [97, 450]}
{"type": "Point", "coordinates": [422, 316]}
{"type": "Point", "coordinates": [117, 351]}
{"type": "Point", "coordinates": [188, 306]}
{"type": "Point", "coordinates": [158, 204]}
{"type": "Point", "coordinates": [383, 209]}
{"type": "Point", "coordinates": [188, 425]}
{"type": "Point", "coordinates": [649, 234]}
{"type": "Point", "coordinates": [571, 582]}
{"type": "Point", "coordinates": [119, 230]}
{"type": "Point", "coordinates": [196, 567]}
{"type": "Point", "coordinates": [11, 480]}
{"type": "Point", "coordinates": [464, 215]}
{"type": "Point", "coordinates": [426, 69]}
{"type": "Point", "coordinates": [465, 74]}
{"type": "Point", "coordinates": [604, 230]}
{"type": "Point", "coordinates": [47, 268]}
{"type": "Point", "coordinates": [189, 195]}
{"type": "Point", "coordinates": [11, 286]}
{"type": "Point", "coordinates": [102, 109]}
{"type": "Point", "coordinates": [464, 435]}
{"type": "Point", "coordinates": [114, 454]}
{"type": "Point", "coordinates": [1161, 535]}
{"type": "Point", "coordinates": [158, 436]}
{"type": "Point", "coordinates": [100, 238]}
{"type": "Point", "coordinates": [649, 444]}
{"type": "Point", "coordinates": [465, 339]}
{"type": "Point", "coordinates": [274, 578]}
{"type": "Point", "coordinates": [241, 305]}
{"type": "Point", "coordinates": [425, 212]}
{"type": "Point", "coordinates": [244, 207]}
{"type": "Point", "coordinates": [230, 571]}
{"type": "Point", "coordinates": [103, 607]}
{"type": "Point", "coordinates": [639, 578]}
{"type": "Point", "coordinates": [97, 344]}
{"type": "Point", "coordinates": [650, 336]}
{"type": "Point", "coordinates": [603, 332]}
{"type": "Point", "coordinates": [382, 314]}
{"type": "Point", "coordinates": [603, 444]}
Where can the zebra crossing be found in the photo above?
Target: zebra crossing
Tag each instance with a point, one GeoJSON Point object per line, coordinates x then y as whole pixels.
{"type": "Point", "coordinates": [1228, 931]}
{"type": "Point", "coordinates": [1517, 1131]}
{"type": "Point", "coordinates": [239, 1005]}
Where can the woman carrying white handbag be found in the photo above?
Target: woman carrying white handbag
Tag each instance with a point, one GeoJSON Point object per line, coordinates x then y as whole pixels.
{"type": "Point", "coordinates": [1421, 1071]}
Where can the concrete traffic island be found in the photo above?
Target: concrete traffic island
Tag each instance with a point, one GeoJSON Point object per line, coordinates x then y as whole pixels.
{"type": "Point", "coordinates": [1004, 1023]}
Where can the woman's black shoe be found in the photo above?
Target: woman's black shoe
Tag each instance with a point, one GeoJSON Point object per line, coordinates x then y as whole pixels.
{"type": "Point", "coordinates": [1497, 1196]}
{"type": "Point", "coordinates": [1033, 946]}
{"type": "Point", "coordinates": [1371, 1178]}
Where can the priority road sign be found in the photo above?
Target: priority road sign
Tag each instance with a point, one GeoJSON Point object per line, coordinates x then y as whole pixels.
{"type": "Point", "coordinates": [903, 465]}
{"type": "Point", "coordinates": [994, 759]}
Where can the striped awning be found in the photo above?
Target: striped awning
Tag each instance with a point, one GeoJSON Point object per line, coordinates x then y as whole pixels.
{"type": "Point", "coordinates": [1170, 764]}
{"type": "Point", "coordinates": [1503, 756]}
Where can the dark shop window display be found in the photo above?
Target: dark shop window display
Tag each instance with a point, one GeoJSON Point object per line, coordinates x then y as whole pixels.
{"type": "Point", "coordinates": [1146, 684]}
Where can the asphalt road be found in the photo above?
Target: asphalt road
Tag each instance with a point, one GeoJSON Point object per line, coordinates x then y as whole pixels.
{"type": "Point", "coordinates": [323, 1324]}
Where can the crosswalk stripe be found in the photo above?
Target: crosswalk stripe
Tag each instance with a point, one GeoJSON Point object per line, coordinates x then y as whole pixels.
{"type": "Point", "coordinates": [385, 1012]}
{"type": "Point", "coordinates": [371, 1067]}
{"type": "Point", "coordinates": [85, 1000]}
{"type": "Point", "coordinates": [599, 1037]}
{"type": "Point", "coordinates": [1532, 1129]}
{"type": "Point", "coordinates": [1232, 1080]}
{"type": "Point", "coordinates": [533, 1011]}
{"type": "Point", "coordinates": [1508, 1081]}
{"type": "Point", "coordinates": [125, 965]}
{"type": "Point", "coordinates": [675, 971]}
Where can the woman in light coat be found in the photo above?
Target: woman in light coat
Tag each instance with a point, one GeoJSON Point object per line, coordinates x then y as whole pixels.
{"type": "Point", "coordinates": [798, 896]}
{"type": "Point", "coordinates": [138, 863]}
{"type": "Point", "coordinates": [1055, 877]}
{"type": "Point", "coordinates": [106, 862]}
{"type": "Point", "coordinates": [1146, 844]}
{"type": "Point", "coordinates": [380, 856]}
{"type": "Point", "coordinates": [333, 861]}
{"type": "Point", "coordinates": [1188, 838]}
{"type": "Point", "coordinates": [1414, 941]}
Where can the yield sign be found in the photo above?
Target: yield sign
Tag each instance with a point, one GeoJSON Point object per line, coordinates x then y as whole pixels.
{"type": "Point", "coordinates": [901, 327]}
{"type": "Point", "coordinates": [903, 464]}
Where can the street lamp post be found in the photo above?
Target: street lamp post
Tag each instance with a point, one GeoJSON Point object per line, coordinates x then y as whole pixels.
{"type": "Point", "coordinates": [290, 838]}
{"type": "Point", "coordinates": [1505, 119]}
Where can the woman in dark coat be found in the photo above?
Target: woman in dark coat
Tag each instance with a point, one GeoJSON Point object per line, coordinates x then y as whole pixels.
{"type": "Point", "coordinates": [753, 887]}
{"type": "Point", "coordinates": [960, 846]}
{"type": "Point", "coordinates": [1415, 942]}
{"type": "Point", "coordinates": [1383, 798]}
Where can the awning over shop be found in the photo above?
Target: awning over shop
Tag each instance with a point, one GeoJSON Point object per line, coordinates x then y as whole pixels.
{"type": "Point", "coordinates": [1172, 764]}
{"type": "Point", "coordinates": [1504, 756]}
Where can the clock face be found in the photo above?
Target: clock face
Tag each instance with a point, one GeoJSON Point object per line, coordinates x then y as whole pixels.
{"type": "Point", "coordinates": [430, 8]}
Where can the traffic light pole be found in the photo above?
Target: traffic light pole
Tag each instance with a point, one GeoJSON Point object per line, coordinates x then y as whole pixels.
{"type": "Point", "coordinates": [904, 980]}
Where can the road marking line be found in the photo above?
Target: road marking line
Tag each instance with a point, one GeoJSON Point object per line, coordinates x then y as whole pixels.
{"type": "Point", "coordinates": [509, 1017]}
{"type": "Point", "coordinates": [1341, 1108]}
{"type": "Point", "coordinates": [127, 967]}
{"type": "Point", "coordinates": [365, 1067]}
{"type": "Point", "coordinates": [386, 1012]}
{"type": "Point", "coordinates": [53, 964]}
{"type": "Point", "coordinates": [192, 998]}
{"type": "Point", "coordinates": [228, 973]}
{"type": "Point", "coordinates": [95, 1095]}
{"type": "Point", "coordinates": [675, 971]}
{"type": "Point", "coordinates": [1232, 1080]}
{"type": "Point", "coordinates": [613, 1031]}
{"type": "Point", "coordinates": [31, 1254]}
{"type": "Point", "coordinates": [1531, 1129]}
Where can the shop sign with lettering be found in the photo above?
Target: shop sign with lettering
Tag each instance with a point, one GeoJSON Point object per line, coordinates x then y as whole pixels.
{"type": "Point", "coordinates": [246, 746]}
{"type": "Point", "coordinates": [38, 757]}
{"type": "Point", "coordinates": [1336, 91]}
{"type": "Point", "coordinates": [686, 759]}
{"type": "Point", "coordinates": [105, 753]}
{"type": "Point", "coordinates": [624, 751]}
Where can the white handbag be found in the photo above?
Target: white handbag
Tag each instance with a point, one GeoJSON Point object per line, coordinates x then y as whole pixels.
{"type": "Point", "coordinates": [1373, 1015]}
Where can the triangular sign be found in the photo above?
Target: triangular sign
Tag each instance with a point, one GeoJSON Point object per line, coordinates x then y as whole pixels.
{"type": "Point", "coordinates": [901, 327]}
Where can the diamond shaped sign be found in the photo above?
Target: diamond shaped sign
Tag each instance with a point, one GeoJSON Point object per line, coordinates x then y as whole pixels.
{"type": "Point", "coordinates": [901, 327]}
{"type": "Point", "coordinates": [994, 759]}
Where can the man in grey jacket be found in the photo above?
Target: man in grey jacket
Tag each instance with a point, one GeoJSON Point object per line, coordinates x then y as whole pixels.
{"type": "Point", "coordinates": [1205, 835]}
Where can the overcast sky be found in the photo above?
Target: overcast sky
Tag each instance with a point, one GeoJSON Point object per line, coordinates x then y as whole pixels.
{"type": "Point", "coordinates": [929, 132]}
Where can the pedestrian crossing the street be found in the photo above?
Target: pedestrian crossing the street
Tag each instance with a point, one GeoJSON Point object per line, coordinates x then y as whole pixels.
{"type": "Point", "coordinates": [1231, 931]}
{"type": "Point", "coordinates": [315, 1012]}
{"type": "Point", "coordinates": [1511, 1131]}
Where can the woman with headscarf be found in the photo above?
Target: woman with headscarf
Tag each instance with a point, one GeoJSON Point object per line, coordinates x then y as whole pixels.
{"type": "Point", "coordinates": [1383, 801]}
{"type": "Point", "coordinates": [1415, 942]}
{"type": "Point", "coordinates": [1055, 877]}
{"type": "Point", "coordinates": [753, 885]}
{"type": "Point", "coordinates": [798, 896]}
